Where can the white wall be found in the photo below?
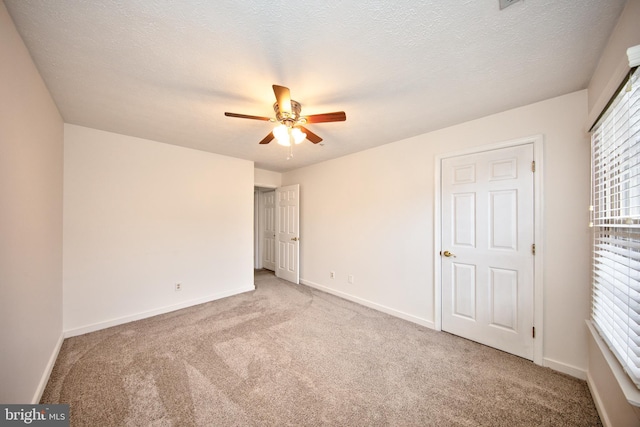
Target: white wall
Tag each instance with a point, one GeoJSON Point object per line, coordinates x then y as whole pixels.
{"type": "Point", "coordinates": [371, 214]}
{"type": "Point", "coordinates": [140, 216]}
{"type": "Point", "coordinates": [31, 137]}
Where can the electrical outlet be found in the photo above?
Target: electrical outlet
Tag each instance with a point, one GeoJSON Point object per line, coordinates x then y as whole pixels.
{"type": "Point", "coordinates": [178, 287]}
{"type": "Point", "coordinates": [332, 274]}
{"type": "Point", "coordinates": [350, 279]}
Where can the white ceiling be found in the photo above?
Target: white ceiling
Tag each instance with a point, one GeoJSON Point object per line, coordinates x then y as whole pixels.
{"type": "Point", "coordinates": [167, 70]}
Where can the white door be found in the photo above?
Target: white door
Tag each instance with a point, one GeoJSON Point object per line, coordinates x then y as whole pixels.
{"type": "Point", "coordinates": [288, 233]}
{"type": "Point", "coordinates": [487, 248]}
{"type": "Point", "coordinates": [269, 230]}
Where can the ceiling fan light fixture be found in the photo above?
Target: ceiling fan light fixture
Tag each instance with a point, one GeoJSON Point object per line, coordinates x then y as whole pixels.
{"type": "Point", "coordinates": [287, 136]}
{"type": "Point", "coordinates": [298, 135]}
{"type": "Point", "coordinates": [281, 133]}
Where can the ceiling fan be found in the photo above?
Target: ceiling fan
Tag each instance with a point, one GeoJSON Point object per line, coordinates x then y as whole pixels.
{"type": "Point", "coordinates": [290, 129]}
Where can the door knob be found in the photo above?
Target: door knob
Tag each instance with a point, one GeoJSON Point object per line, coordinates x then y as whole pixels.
{"type": "Point", "coordinates": [447, 254]}
{"type": "Point", "coordinates": [295, 239]}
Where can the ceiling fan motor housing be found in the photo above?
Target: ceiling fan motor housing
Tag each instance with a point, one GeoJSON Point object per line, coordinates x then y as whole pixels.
{"type": "Point", "coordinates": [289, 119]}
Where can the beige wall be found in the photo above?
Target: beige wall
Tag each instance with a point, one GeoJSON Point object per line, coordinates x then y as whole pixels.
{"type": "Point", "coordinates": [31, 139]}
{"type": "Point", "coordinates": [371, 214]}
{"type": "Point", "coordinates": [613, 65]}
{"type": "Point", "coordinates": [267, 179]}
{"type": "Point", "coordinates": [612, 69]}
{"type": "Point", "coordinates": [141, 216]}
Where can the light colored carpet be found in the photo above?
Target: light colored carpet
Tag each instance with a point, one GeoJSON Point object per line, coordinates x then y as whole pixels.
{"type": "Point", "coordinates": [291, 355]}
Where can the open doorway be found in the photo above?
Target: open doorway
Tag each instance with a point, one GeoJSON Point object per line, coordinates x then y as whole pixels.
{"type": "Point", "coordinates": [264, 228]}
{"type": "Point", "coordinates": [277, 231]}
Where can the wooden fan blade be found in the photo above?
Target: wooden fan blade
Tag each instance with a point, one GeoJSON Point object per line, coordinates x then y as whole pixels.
{"type": "Point", "coordinates": [310, 135]}
{"type": "Point", "coordinates": [338, 116]}
{"type": "Point", "coordinates": [245, 116]}
{"type": "Point", "coordinates": [283, 96]}
{"type": "Point", "coordinates": [267, 139]}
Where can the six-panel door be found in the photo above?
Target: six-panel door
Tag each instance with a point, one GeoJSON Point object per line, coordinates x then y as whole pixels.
{"type": "Point", "coordinates": [488, 230]}
{"type": "Point", "coordinates": [288, 231]}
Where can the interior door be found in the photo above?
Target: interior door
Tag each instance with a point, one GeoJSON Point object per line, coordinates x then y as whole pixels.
{"type": "Point", "coordinates": [269, 230]}
{"type": "Point", "coordinates": [487, 248]}
{"type": "Point", "coordinates": [288, 233]}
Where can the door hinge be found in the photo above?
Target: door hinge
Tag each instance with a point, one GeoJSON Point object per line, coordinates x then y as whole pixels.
{"type": "Point", "coordinates": [533, 332]}
{"type": "Point", "coordinates": [533, 166]}
{"type": "Point", "coordinates": [533, 249]}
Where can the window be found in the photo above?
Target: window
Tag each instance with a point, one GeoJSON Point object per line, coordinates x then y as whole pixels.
{"type": "Point", "coordinates": [615, 166]}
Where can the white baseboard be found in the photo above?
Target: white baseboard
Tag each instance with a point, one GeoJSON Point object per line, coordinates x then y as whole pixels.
{"type": "Point", "coordinates": [150, 313]}
{"type": "Point", "coordinates": [597, 400]}
{"type": "Point", "coordinates": [393, 312]}
{"type": "Point", "coordinates": [47, 371]}
{"type": "Point", "coordinates": [565, 368]}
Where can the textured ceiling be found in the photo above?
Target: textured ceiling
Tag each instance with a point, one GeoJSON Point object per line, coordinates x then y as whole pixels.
{"type": "Point", "coordinates": [167, 70]}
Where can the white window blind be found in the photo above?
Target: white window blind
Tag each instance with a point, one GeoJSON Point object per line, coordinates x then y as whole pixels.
{"type": "Point", "coordinates": [615, 166]}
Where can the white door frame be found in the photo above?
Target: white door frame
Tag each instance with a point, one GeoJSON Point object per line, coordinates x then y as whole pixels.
{"type": "Point", "coordinates": [264, 247]}
{"type": "Point", "coordinates": [538, 298]}
{"type": "Point", "coordinates": [258, 223]}
{"type": "Point", "coordinates": [257, 229]}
